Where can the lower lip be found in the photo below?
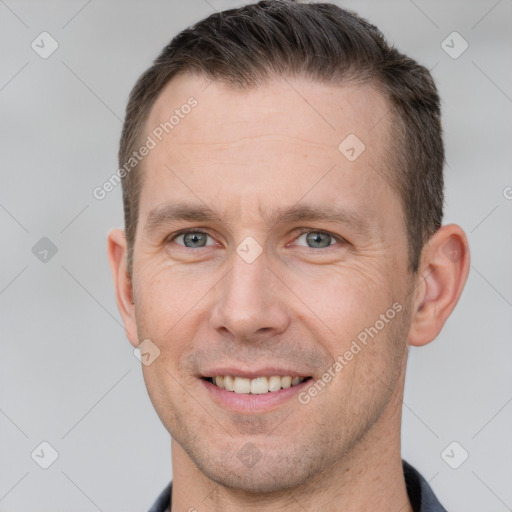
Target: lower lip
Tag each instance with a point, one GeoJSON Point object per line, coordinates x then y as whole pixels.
{"type": "Point", "coordinates": [249, 403]}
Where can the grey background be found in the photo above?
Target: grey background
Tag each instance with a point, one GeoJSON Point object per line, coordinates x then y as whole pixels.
{"type": "Point", "coordinates": [67, 373]}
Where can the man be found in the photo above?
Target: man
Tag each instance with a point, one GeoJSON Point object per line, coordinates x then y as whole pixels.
{"type": "Point", "coordinates": [283, 247]}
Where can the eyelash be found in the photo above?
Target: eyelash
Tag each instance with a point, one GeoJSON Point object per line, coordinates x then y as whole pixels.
{"type": "Point", "coordinates": [339, 239]}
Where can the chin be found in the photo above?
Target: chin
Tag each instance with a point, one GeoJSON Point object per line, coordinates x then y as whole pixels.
{"type": "Point", "coordinates": [252, 481]}
{"type": "Point", "coordinates": [272, 472]}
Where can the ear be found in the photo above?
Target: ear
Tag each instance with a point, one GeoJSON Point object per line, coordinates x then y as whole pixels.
{"type": "Point", "coordinates": [117, 257]}
{"type": "Point", "coordinates": [443, 272]}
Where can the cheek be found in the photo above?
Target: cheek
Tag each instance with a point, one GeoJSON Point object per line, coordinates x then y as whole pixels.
{"type": "Point", "coordinates": [163, 292]}
{"type": "Point", "coordinates": [169, 300]}
{"type": "Point", "coordinates": [346, 308]}
{"type": "Point", "coordinates": [346, 298]}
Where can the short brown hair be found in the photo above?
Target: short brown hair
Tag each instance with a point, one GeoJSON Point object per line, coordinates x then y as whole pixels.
{"type": "Point", "coordinates": [245, 47]}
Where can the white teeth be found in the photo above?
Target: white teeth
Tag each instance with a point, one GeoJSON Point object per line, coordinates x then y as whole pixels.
{"type": "Point", "coordinates": [257, 386]}
{"type": "Point", "coordinates": [286, 382]}
{"type": "Point", "coordinates": [242, 385]}
{"type": "Point", "coordinates": [274, 383]}
{"type": "Point", "coordinates": [228, 383]}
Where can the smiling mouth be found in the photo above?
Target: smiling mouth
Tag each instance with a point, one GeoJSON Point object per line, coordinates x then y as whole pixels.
{"type": "Point", "coordinates": [256, 386]}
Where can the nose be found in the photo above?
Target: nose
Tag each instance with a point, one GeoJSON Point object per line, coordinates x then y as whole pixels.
{"type": "Point", "coordinates": [250, 302]}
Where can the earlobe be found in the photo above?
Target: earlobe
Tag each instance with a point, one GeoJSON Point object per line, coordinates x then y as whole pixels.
{"type": "Point", "coordinates": [443, 273]}
{"type": "Point", "coordinates": [117, 250]}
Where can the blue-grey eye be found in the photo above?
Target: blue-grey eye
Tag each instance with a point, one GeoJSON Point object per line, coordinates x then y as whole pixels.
{"type": "Point", "coordinates": [317, 239]}
{"type": "Point", "coordinates": [194, 239]}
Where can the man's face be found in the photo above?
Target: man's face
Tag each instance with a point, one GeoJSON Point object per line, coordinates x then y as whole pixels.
{"type": "Point", "coordinates": [253, 293]}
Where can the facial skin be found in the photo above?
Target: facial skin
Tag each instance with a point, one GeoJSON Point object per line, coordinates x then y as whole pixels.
{"type": "Point", "coordinates": [298, 306]}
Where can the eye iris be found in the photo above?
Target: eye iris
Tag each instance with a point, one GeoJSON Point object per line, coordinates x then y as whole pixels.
{"type": "Point", "coordinates": [316, 238]}
{"type": "Point", "coordinates": [196, 239]}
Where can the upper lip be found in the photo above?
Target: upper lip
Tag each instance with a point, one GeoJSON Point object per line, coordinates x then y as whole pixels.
{"type": "Point", "coordinates": [267, 371]}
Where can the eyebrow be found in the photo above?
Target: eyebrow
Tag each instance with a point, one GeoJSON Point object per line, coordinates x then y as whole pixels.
{"type": "Point", "coordinates": [174, 212]}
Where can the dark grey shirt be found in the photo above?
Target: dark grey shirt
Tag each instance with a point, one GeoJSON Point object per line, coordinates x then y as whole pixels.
{"type": "Point", "coordinates": [420, 494]}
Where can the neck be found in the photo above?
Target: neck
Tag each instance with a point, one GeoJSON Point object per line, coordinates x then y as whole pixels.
{"type": "Point", "coordinates": [370, 477]}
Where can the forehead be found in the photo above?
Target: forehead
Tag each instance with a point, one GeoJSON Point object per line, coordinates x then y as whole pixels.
{"type": "Point", "coordinates": [326, 112]}
{"type": "Point", "coordinates": [273, 143]}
